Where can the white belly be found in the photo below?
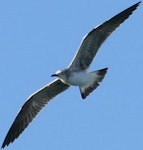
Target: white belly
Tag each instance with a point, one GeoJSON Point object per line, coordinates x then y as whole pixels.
{"type": "Point", "coordinates": [79, 79]}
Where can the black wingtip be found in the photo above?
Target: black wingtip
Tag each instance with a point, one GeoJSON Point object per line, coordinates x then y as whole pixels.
{"type": "Point", "coordinates": [4, 144]}
{"type": "Point", "coordinates": [139, 1]}
{"type": "Point", "coordinates": [137, 4]}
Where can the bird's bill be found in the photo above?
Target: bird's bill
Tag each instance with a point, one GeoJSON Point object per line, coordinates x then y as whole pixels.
{"type": "Point", "coordinates": [54, 75]}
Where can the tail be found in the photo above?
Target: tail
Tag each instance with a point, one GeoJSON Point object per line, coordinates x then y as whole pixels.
{"type": "Point", "coordinates": [98, 77]}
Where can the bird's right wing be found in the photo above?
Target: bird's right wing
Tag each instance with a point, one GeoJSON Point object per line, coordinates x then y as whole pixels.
{"type": "Point", "coordinates": [31, 108]}
{"type": "Point", "coordinates": [93, 40]}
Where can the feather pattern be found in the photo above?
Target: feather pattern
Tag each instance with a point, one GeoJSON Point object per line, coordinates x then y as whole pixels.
{"type": "Point", "coordinates": [93, 40]}
{"type": "Point", "coordinates": [31, 108]}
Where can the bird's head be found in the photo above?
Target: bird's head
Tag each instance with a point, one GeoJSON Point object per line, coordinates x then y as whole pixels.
{"type": "Point", "coordinates": [57, 74]}
{"type": "Point", "coordinates": [61, 74]}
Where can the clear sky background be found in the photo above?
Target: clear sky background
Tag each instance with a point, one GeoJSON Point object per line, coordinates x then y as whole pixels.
{"type": "Point", "coordinates": [37, 38]}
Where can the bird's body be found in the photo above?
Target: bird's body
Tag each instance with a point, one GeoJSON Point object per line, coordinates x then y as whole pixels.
{"type": "Point", "coordinates": [76, 77]}
{"type": "Point", "coordinates": [75, 74]}
{"type": "Point", "coordinates": [86, 81]}
{"type": "Point", "coordinates": [81, 78]}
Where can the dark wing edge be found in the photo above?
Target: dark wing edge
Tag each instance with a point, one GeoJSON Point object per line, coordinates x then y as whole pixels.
{"type": "Point", "coordinates": [31, 108]}
{"type": "Point", "coordinates": [86, 90]}
{"type": "Point", "coordinates": [93, 40]}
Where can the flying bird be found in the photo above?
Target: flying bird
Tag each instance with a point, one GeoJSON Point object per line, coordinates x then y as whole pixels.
{"type": "Point", "coordinates": [75, 74]}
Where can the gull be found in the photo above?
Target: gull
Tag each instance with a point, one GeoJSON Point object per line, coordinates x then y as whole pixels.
{"type": "Point", "coordinates": [75, 74]}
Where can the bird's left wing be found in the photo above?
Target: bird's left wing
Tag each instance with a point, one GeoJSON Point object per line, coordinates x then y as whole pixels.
{"type": "Point", "coordinates": [96, 37]}
{"type": "Point", "coordinates": [31, 108]}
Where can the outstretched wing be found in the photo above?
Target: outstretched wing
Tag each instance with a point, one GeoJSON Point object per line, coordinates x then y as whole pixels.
{"type": "Point", "coordinates": [93, 40]}
{"type": "Point", "coordinates": [31, 108]}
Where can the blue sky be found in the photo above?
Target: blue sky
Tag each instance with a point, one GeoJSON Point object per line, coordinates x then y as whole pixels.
{"type": "Point", "coordinates": [40, 37]}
